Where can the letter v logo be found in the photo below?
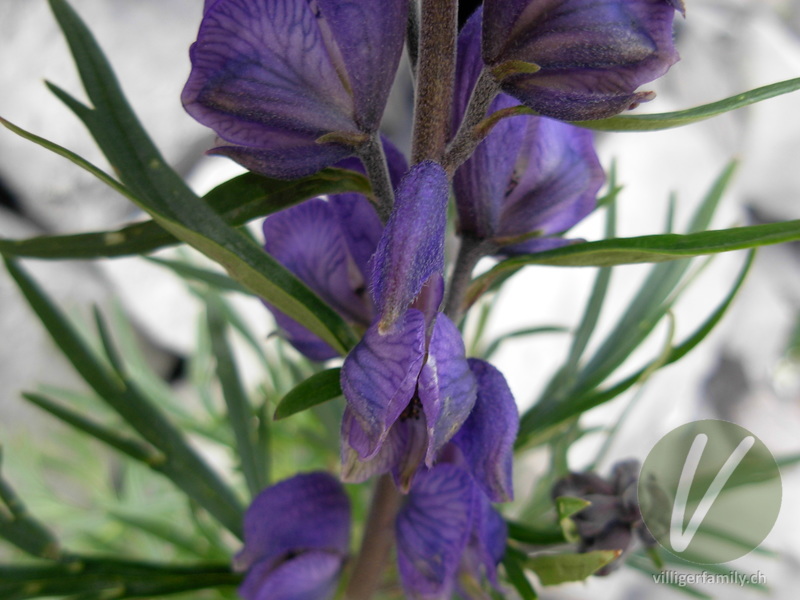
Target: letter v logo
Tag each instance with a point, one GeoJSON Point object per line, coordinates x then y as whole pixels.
{"type": "Point", "coordinates": [678, 538]}
{"type": "Point", "coordinates": [709, 491]}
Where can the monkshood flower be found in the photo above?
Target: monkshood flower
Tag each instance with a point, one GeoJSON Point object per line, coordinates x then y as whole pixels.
{"type": "Point", "coordinates": [296, 539]}
{"type": "Point", "coordinates": [531, 179]}
{"type": "Point", "coordinates": [448, 536]}
{"type": "Point", "coordinates": [328, 245]}
{"type": "Point", "coordinates": [578, 59]}
{"type": "Point", "coordinates": [407, 383]}
{"type": "Point", "coordinates": [292, 86]}
{"type": "Point", "coordinates": [613, 516]}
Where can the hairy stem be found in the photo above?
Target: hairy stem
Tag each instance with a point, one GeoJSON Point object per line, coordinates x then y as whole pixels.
{"type": "Point", "coordinates": [471, 251]}
{"type": "Point", "coordinates": [377, 541]}
{"type": "Point", "coordinates": [469, 134]}
{"type": "Point", "coordinates": [435, 79]}
{"type": "Point", "coordinates": [374, 159]}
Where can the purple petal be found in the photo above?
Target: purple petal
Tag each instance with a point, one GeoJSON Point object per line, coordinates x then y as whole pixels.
{"type": "Point", "coordinates": [555, 181]}
{"type": "Point", "coordinates": [291, 157]}
{"type": "Point", "coordinates": [481, 183]}
{"type": "Point", "coordinates": [370, 37]}
{"type": "Point", "coordinates": [487, 437]}
{"type": "Point", "coordinates": [432, 530]}
{"type": "Point", "coordinates": [447, 387]}
{"type": "Point", "coordinates": [311, 240]}
{"type": "Point", "coordinates": [306, 512]}
{"type": "Point", "coordinates": [487, 543]}
{"type": "Point", "coordinates": [306, 343]}
{"type": "Point", "coordinates": [379, 378]}
{"type": "Point", "coordinates": [592, 54]}
{"type": "Point", "coordinates": [412, 246]}
{"type": "Point", "coordinates": [361, 229]}
{"type": "Point", "coordinates": [309, 576]}
{"type": "Point", "coordinates": [469, 65]}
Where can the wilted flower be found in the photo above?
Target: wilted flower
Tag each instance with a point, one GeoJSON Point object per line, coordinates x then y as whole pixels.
{"type": "Point", "coordinates": [531, 179]}
{"type": "Point", "coordinates": [578, 59]}
{"type": "Point", "coordinates": [292, 86]}
{"type": "Point", "coordinates": [613, 516]}
{"type": "Point", "coordinates": [296, 536]}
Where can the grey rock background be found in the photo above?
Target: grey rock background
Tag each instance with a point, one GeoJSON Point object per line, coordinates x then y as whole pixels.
{"type": "Point", "coordinates": [741, 373]}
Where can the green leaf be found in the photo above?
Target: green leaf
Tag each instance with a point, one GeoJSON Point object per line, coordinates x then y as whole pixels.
{"type": "Point", "coordinates": [566, 506]}
{"type": "Point", "coordinates": [495, 344]}
{"type": "Point", "coordinates": [112, 579]}
{"type": "Point", "coordinates": [213, 279]}
{"type": "Point", "coordinates": [162, 193]}
{"type": "Point", "coordinates": [552, 569]}
{"type": "Point", "coordinates": [538, 537]}
{"type": "Point", "coordinates": [182, 465]}
{"type": "Point", "coordinates": [240, 414]}
{"type": "Point", "coordinates": [685, 117]}
{"type": "Point", "coordinates": [318, 388]}
{"type": "Point", "coordinates": [512, 561]}
{"type": "Point", "coordinates": [237, 201]}
{"type": "Point", "coordinates": [655, 248]}
{"type": "Point", "coordinates": [540, 418]}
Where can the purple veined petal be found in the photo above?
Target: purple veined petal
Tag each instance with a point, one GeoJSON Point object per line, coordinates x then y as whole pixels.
{"type": "Point", "coordinates": [379, 378]}
{"type": "Point", "coordinates": [310, 241]}
{"type": "Point", "coordinates": [314, 515]}
{"type": "Point", "coordinates": [311, 575]}
{"type": "Point", "coordinates": [485, 549]}
{"type": "Point", "coordinates": [447, 387]}
{"type": "Point", "coordinates": [263, 78]}
{"type": "Point", "coordinates": [370, 37]}
{"type": "Point", "coordinates": [432, 530]}
{"type": "Point", "coordinates": [412, 246]}
{"type": "Point", "coordinates": [556, 180]}
{"type": "Point", "coordinates": [361, 228]}
{"type": "Point", "coordinates": [306, 343]}
{"type": "Point", "coordinates": [469, 65]}
{"type": "Point", "coordinates": [592, 55]}
{"type": "Point", "coordinates": [487, 437]}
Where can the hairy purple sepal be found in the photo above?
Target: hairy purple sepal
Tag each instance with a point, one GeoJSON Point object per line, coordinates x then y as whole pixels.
{"type": "Point", "coordinates": [411, 249]}
{"type": "Point", "coordinates": [592, 55]}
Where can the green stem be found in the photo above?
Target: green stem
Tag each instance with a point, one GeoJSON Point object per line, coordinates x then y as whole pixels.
{"type": "Point", "coordinates": [471, 251]}
{"type": "Point", "coordinates": [372, 155]}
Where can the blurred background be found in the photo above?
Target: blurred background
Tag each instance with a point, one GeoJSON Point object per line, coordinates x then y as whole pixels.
{"type": "Point", "coordinates": [748, 371]}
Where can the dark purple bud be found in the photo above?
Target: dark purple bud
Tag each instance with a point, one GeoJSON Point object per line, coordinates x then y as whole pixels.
{"type": "Point", "coordinates": [292, 86]}
{"type": "Point", "coordinates": [578, 59]}
{"type": "Point", "coordinates": [613, 515]}
{"type": "Point", "coordinates": [296, 536]}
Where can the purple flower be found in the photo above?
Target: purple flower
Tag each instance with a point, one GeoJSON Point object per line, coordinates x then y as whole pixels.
{"type": "Point", "coordinates": [613, 516]}
{"type": "Point", "coordinates": [448, 536]}
{"type": "Point", "coordinates": [586, 58]}
{"type": "Point", "coordinates": [296, 536]}
{"type": "Point", "coordinates": [407, 384]}
{"type": "Point", "coordinates": [328, 245]}
{"type": "Point", "coordinates": [531, 179]}
{"type": "Point", "coordinates": [292, 86]}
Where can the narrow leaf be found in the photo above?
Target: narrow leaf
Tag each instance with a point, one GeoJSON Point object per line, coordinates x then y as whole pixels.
{"type": "Point", "coordinates": [318, 388]}
{"type": "Point", "coordinates": [685, 117]}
